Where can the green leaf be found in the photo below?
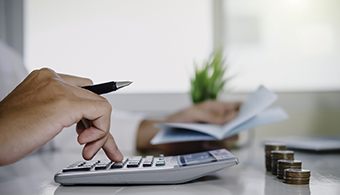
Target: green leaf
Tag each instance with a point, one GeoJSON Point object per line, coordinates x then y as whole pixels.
{"type": "Point", "coordinates": [209, 80]}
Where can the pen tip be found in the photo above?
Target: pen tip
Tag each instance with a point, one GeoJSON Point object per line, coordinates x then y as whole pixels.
{"type": "Point", "coordinates": [122, 84]}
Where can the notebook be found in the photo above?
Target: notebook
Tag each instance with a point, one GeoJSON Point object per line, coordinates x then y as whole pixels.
{"type": "Point", "coordinates": [255, 111]}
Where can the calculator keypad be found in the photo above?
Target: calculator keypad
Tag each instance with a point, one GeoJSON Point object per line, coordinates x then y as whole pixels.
{"type": "Point", "coordinates": [150, 161]}
{"type": "Point", "coordinates": [133, 162]}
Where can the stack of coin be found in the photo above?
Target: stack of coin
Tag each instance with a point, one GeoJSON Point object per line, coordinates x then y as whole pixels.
{"type": "Point", "coordinates": [268, 148]}
{"type": "Point", "coordinates": [296, 176]}
{"type": "Point", "coordinates": [287, 164]}
{"type": "Point", "coordinates": [278, 155]}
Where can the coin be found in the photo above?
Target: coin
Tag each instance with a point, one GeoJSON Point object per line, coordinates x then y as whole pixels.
{"type": "Point", "coordinates": [278, 155]}
{"type": "Point", "coordinates": [297, 182]}
{"type": "Point", "coordinates": [287, 164]}
{"type": "Point", "coordinates": [268, 148]}
{"type": "Point", "coordinates": [296, 176]}
{"type": "Point", "coordinates": [274, 146]}
{"type": "Point", "coordinates": [296, 179]}
{"type": "Point", "coordinates": [296, 173]}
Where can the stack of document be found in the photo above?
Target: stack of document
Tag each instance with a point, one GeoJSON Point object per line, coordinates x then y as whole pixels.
{"type": "Point", "coordinates": [255, 111]}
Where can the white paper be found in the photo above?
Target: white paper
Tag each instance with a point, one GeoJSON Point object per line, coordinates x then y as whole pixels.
{"type": "Point", "coordinates": [253, 112]}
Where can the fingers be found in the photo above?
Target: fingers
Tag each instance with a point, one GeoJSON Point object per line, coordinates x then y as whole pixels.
{"type": "Point", "coordinates": [97, 136]}
{"type": "Point", "coordinates": [111, 150]}
{"type": "Point", "coordinates": [94, 131]}
{"type": "Point", "coordinates": [91, 149]}
{"type": "Point", "coordinates": [67, 103]}
{"type": "Point", "coordinates": [220, 107]}
{"type": "Point", "coordinates": [207, 112]}
{"type": "Point", "coordinates": [99, 113]}
{"type": "Point", "coordinates": [207, 117]}
{"type": "Point", "coordinates": [76, 81]}
{"type": "Point", "coordinates": [229, 116]}
{"type": "Point", "coordinates": [96, 111]}
{"type": "Point", "coordinates": [215, 112]}
{"type": "Point", "coordinates": [90, 134]}
{"type": "Point", "coordinates": [109, 146]}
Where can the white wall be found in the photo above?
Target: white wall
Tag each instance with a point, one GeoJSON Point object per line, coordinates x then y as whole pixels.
{"type": "Point", "coordinates": [151, 42]}
{"type": "Point", "coordinates": [288, 45]}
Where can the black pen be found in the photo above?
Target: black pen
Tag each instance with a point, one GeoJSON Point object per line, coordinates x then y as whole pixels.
{"type": "Point", "coordinates": [107, 87]}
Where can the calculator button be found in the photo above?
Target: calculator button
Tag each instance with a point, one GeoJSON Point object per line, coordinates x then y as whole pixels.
{"type": "Point", "coordinates": [78, 163]}
{"type": "Point", "coordinates": [77, 169]}
{"type": "Point", "coordinates": [118, 165]}
{"type": "Point", "coordinates": [90, 163]}
{"type": "Point", "coordinates": [161, 157]}
{"type": "Point", "coordinates": [160, 163]}
{"type": "Point", "coordinates": [102, 165]}
{"type": "Point", "coordinates": [147, 164]}
{"type": "Point", "coordinates": [148, 161]}
{"type": "Point", "coordinates": [132, 164]}
{"type": "Point", "coordinates": [136, 159]}
{"type": "Point", "coordinates": [81, 166]}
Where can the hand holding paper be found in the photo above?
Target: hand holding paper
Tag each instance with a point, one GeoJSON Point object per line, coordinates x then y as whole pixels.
{"type": "Point", "coordinates": [255, 111]}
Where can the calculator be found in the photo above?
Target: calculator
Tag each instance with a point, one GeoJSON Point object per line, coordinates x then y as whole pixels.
{"type": "Point", "coordinates": [146, 170]}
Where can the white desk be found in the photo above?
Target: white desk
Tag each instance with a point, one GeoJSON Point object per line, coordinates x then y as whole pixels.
{"type": "Point", "coordinates": [34, 175]}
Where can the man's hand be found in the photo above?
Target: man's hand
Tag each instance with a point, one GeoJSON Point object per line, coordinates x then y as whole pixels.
{"type": "Point", "coordinates": [213, 112]}
{"type": "Point", "coordinates": [45, 103]}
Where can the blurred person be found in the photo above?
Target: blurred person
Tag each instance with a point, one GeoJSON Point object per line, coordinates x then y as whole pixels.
{"type": "Point", "coordinates": [213, 112]}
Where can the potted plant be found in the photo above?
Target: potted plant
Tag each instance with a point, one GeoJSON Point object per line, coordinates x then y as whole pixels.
{"type": "Point", "coordinates": [209, 80]}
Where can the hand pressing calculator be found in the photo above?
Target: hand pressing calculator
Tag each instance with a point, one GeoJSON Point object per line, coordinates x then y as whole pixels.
{"type": "Point", "coordinates": [147, 170]}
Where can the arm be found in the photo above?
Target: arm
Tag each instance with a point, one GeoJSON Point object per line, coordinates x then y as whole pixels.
{"type": "Point", "coordinates": [46, 102]}
{"type": "Point", "coordinates": [207, 112]}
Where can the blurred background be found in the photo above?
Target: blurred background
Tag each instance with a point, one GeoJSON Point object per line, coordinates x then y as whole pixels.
{"type": "Point", "coordinates": [290, 46]}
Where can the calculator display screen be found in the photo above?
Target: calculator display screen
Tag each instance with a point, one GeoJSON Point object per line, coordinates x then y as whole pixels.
{"type": "Point", "coordinates": [197, 158]}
